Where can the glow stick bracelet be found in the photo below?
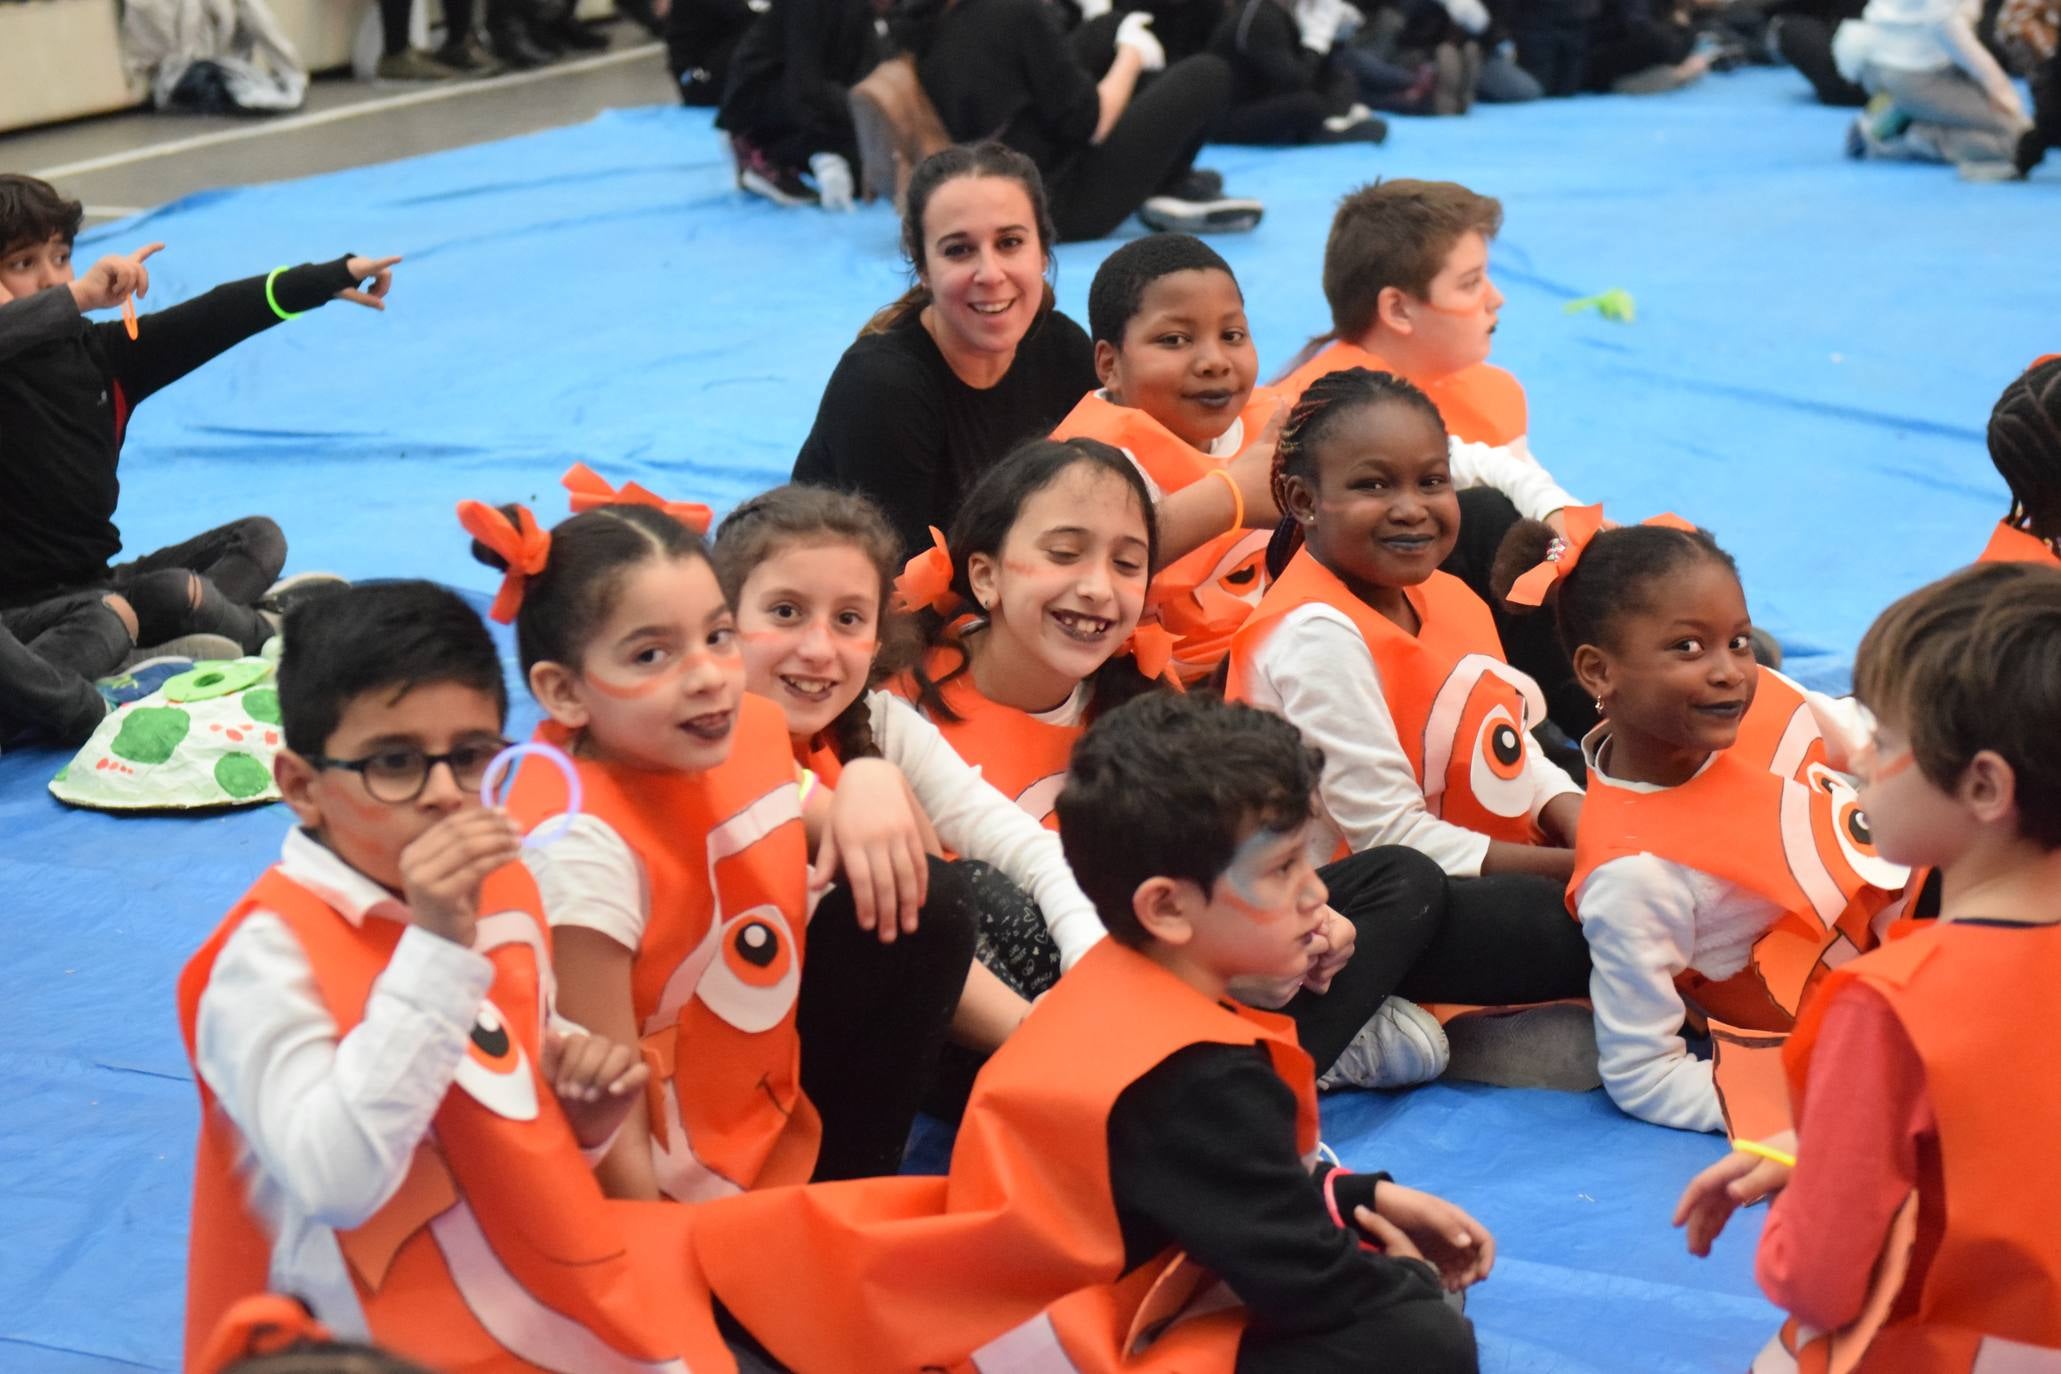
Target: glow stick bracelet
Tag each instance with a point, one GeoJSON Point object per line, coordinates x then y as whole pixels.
{"type": "Point", "coordinates": [503, 764]}
{"type": "Point", "coordinates": [1754, 1147]}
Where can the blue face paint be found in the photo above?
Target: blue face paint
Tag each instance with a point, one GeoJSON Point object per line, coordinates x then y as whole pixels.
{"type": "Point", "coordinates": [1248, 870]}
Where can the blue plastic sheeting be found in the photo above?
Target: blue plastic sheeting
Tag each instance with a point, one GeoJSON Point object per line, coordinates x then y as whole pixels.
{"type": "Point", "coordinates": [1817, 346]}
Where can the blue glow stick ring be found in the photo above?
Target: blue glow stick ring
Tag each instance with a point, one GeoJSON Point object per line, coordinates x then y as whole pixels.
{"type": "Point", "coordinates": [504, 763]}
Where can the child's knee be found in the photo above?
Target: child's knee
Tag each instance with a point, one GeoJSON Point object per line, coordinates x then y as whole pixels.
{"type": "Point", "coordinates": [1431, 1337]}
{"type": "Point", "coordinates": [265, 544]}
{"type": "Point", "coordinates": [124, 612]}
{"type": "Point", "coordinates": [163, 604]}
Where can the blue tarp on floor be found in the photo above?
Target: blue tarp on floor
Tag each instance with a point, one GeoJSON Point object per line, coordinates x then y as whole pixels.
{"type": "Point", "coordinates": [1817, 347]}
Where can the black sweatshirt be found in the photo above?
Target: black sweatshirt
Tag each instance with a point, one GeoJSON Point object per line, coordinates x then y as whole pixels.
{"type": "Point", "coordinates": [1202, 1156]}
{"type": "Point", "coordinates": [67, 387]}
{"type": "Point", "coordinates": [1264, 47]}
{"type": "Point", "coordinates": [896, 422]}
{"type": "Point", "coordinates": [1002, 69]}
{"type": "Point", "coordinates": [796, 65]}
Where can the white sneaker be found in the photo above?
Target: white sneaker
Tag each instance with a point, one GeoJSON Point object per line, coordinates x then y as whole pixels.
{"type": "Point", "coordinates": [196, 648]}
{"type": "Point", "coordinates": [1224, 215]}
{"type": "Point", "coordinates": [1401, 1046]}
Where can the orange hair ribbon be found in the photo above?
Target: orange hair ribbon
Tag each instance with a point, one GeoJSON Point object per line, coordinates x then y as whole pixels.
{"type": "Point", "coordinates": [1583, 524]}
{"type": "Point", "coordinates": [1151, 646]}
{"type": "Point", "coordinates": [590, 489]}
{"type": "Point", "coordinates": [926, 580]}
{"type": "Point", "coordinates": [521, 545]}
{"type": "Point", "coordinates": [263, 1324]}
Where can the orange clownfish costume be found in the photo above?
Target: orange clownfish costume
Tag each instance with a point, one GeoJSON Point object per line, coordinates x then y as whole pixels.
{"type": "Point", "coordinates": [715, 979]}
{"type": "Point", "coordinates": [1205, 595]}
{"type": "Point", "coordinates": [2010, 544]}
{"type": "Point", "coordinates": [1015, 1261]}
{"type": "Point", "coordinates": [498, 1251]}
{"type": "Point", "coordinates": [1482, 404]}
{"type": "Point", "coordinates": [1463, 714]}
{"type": "Point", "coordinates": [1802, 844]}
{"type": "Point", "coordinates": [1969, 1280]}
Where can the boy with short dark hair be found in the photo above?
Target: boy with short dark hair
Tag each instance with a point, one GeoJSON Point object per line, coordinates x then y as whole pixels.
{"type": "Point", "coordinates": [395, 1127]}
{"type": "Point", "coordinates": [1919, 1221]}
{"type": "Point", "coordinates": [67, 389]}
{"type": "Point", "coordinates": [1134, 1176]}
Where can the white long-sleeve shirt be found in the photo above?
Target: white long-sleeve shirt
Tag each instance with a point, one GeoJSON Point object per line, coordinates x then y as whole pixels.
{"type": "Point", "coordinates": [1316, 670]}
{"type": "Point", "coordinates": [1648, 921]}
{"type": "Point", "coordinates": [591, 877]}
{"type": "Point", "coordinates": [331, 1122]}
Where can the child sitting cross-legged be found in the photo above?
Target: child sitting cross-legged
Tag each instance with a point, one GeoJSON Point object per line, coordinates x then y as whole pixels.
{"type": "Point", "coordinates": [1918, 1222]}
{"type": "Point", "coordinates": [395, 1127]}
{"type": "Point", "coordinates": [1142, 1143]}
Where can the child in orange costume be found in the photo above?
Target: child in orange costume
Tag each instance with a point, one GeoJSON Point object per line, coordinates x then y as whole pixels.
{"type": "Point", "coordinates": [1918, 1220]}
{"type": "Point", "coordinates": [393, 1120]}
{"type": "Point", "coordinates": [2025, 444]}
{"type": "Point", "coordinates": [1176, 359]}
{"type": "Point", "coordinates": [1141, 1145]}
{"type": "Point", "coordinates": [680, 898]}
{"type": "Point", "coordinates": [1702, 877]}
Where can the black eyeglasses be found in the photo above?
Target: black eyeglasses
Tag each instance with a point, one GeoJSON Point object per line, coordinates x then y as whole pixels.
{"type": "Point", "coordinates": [399, 774]}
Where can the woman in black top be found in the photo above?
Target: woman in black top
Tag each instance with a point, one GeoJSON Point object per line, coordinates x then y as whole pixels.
{"type": "Point", "coordinates": [972, 360]}
{"type": "Point", "coordinates": [1002, 69]}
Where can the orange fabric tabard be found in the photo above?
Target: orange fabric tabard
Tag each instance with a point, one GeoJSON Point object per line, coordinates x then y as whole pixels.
{"type": "Point", "coordinates": [819, 756]}
{"type": "Point", "coordinates": [1803, 845]}
{"type": "Point", "coordinates": [1482, 404]}
{"type": "Point", "coordinates": [1462, 720]}
{"type": "Point", "coordinates": [2009, 544]}
{"type": "Point", "coordinates": [1989, 1297]}
{"type": "Point", "coordinates": [714, 981]}
{"type": "Point", "coordinates": [1779, 733]}
{"type": "Point", "coordinates": [1205, 595]}
{"type": "Point", "coordinates": [1020, 756]}
{"type": "Point", "coordinates": [1014, 1261]}
{"type": "Point", "coordinates": [499, 1252]}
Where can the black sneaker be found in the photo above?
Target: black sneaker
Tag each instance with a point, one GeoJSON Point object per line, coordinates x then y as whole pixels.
{"type": "Point", "coordinates": [763, 177]}
{"type": "Point", "coordinates": [1222, 215]}
{"type": "Point", "coordinates": [2032, 147]}
{"type": "Point", "coordinates": [575, 36]}
{"type": "Point", "coordinates": [289, 592]}
{"type": "Point", "coordinates": [1197, 183]}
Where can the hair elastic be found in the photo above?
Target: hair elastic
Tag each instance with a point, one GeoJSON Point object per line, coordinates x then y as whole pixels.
{"type": "Point", "coordinates": [806, 784]}
{"type": "Point", "coordinates": [504, 762]}
{"type": "Point", "coordinates": [1237, 498]}
{"type": "Point", "coordinates": [281, 311]}
{"type": "Point", "coordinates": [1754, 1147]}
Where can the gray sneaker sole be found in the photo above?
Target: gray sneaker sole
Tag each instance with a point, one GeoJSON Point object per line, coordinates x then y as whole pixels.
{"type": "Point", "coordinates": [1540, 1047]}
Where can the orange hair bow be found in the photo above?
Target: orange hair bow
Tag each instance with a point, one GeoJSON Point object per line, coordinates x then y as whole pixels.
{"type": "Point", "coordinates": [590, 489]}
{"type": "Point", "coordinates": [1583, 524]}
{"type": "Point", "coordinates": [1151, 647]}
{"type": "Point", "coordinates": [926, 580]}
{"type": "Point", "coordinates": [522, 546]}
{"type": "Point", "coordinates": [263, 1324]}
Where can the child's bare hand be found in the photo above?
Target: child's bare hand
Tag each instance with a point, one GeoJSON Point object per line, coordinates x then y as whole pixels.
{"type": "Point", "coordinates": [1253, 471]}
{"type": "Point", "coordinates": [114, 279]}
{"type": "Point", "coordinates": [443, 867]}
{"type": "Point", "coordinates": [381, 270]}
{"type": "Point", "coordinates": [1738, 1180]}
{"type": "Point", "coordinates": [875, 839]}
{"type": "Point", "coordinates": [1338, 936]}
{"type": "Point", "coordinates": [1385, 1234]}
{"type": "Point", "coordinates": [597, 1081]}
{"type": "Point", "coordinates": [1455, 1244]}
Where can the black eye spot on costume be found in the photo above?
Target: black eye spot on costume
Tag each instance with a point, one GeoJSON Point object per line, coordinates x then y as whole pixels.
{"type": "Point", "coordinates": [1505, 744]}
{"type": "Point", "coordinates": [491, 1040]}
{"type": "Point", "coordinates": [756, 944]}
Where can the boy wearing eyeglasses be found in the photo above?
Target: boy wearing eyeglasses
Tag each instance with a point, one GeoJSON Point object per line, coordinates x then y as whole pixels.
{"type": "Point", "coordinates": [395, 1127]}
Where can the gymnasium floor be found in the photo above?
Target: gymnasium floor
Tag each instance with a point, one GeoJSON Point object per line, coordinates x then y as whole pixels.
{"type": "Point", "coordinates": [1817, 346]}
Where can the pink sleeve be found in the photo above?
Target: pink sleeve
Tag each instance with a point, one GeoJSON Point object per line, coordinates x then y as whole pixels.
{"type": "Point", "coordinates": [1865, 1108]}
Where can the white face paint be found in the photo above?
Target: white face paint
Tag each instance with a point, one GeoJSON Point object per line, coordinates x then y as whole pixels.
{"type": "Point", "coordinates": [1264, 910]}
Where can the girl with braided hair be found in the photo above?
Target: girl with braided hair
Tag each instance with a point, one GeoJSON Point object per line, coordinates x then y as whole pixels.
{"type": "Point", "coordinates": [1393, 669]}
{"type": "Point", "coordinates": [2025, 444]}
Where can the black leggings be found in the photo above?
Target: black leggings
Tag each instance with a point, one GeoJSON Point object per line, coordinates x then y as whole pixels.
{"type": "Point", "coordinates": [1530, 642]}
{"type": "Point", "coordinates": [234, 563]}
{"type": "Point", "coordinates": [1155, 141]}
{"type": "Point", "coordinates": [871, 1018]}
{"type": "Point", "coordinates": [1495, 941]}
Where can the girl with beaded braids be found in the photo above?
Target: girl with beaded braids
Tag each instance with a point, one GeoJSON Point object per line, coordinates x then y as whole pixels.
{"type": "Point", "coordinates": [1393, 669]}
{"type": "Point", "coordinates": [810, 572]}
{"type": "Point", "coordinates": [1705, 875]}
{"type": "Point", "coordinates": [2025, 444]}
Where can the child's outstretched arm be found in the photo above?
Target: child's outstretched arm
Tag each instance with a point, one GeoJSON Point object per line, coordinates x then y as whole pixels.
{"type": "Point", "coordinates": [874, 837]}
{"type": "Point", "coordinates": [171, 343]}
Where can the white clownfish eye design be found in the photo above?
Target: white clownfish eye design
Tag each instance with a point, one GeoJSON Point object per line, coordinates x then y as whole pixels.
{"type": "Point", "coordinates": [752, 981]}
{"type": "Point", "coordinates": [1850, 828]}
{"type": "Point", "coordinates": [494, 1071]}
{"type": "Point", "coordinates": [1497, 766]}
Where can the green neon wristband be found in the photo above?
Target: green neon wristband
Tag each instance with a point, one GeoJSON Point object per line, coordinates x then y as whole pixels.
{"type": "Point", "coordinates": [273, 300]}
